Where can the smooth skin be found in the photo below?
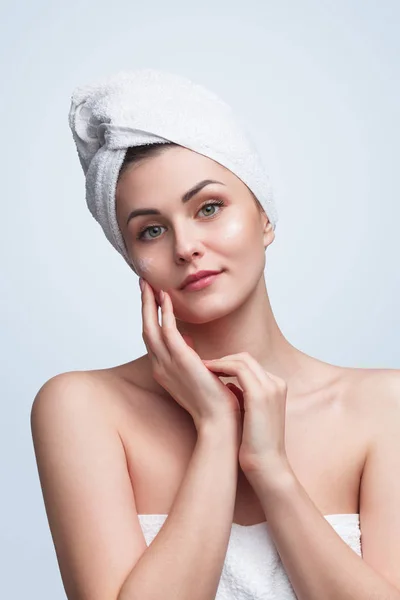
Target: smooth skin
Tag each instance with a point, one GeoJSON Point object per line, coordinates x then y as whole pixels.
{"type": "Point", "coordinates": [90, 428]}
{"type": "Point", "coordinates": [178, 368]}
{"type": "Point", "coordinates": [233, 314]}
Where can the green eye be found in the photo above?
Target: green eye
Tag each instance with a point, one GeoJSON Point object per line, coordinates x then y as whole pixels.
{"type": "Point", "coordinates": [142, 232]}
{"type": "Point", "coordinates": [151, 228]}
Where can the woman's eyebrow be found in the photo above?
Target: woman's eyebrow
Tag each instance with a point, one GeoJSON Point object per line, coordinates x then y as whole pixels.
{"type": "Point", "coordinates": [185, 198]}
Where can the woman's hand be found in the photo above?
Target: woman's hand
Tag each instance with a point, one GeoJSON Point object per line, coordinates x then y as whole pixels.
{"type": "Point", "coordinates": [179, 369]}
{"type": "Point", "coordinates": [263, 397]}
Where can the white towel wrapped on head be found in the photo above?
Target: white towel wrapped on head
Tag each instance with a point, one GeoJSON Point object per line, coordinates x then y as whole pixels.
{"type": "Point", "coordinates": [148, 106]}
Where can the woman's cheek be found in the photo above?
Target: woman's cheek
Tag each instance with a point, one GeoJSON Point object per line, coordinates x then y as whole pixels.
{"type": "Point", "coordinates": [232, 230]}
{"type": "Point", "coordinates": [144, 265]}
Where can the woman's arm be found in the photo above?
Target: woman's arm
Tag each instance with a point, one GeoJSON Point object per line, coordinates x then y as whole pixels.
{"type": "Point", "coordinates": [91, 508]}
{"type": "Point", "coordinates": [185, 559]}
{"type": "Point", "coordinates": [318, 562]}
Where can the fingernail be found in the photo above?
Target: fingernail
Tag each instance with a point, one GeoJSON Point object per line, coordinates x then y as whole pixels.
{"type": "Point", "coordinates": [161, 296]}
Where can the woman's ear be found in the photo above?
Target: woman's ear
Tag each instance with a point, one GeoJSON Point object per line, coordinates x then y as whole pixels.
{"type": "Point", "coordinates": [268, 231]}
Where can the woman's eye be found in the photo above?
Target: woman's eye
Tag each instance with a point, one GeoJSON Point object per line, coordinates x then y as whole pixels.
{"type": "Point", "coordinates": [141, 234]}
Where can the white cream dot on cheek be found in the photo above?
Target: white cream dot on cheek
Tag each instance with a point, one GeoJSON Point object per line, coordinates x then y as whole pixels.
{"type": "Point", "coordinates": [232, 229]}
{"type": "Point", "coordinates": [144, 264]}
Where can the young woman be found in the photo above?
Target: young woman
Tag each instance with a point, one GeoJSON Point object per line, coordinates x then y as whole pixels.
{"type": "Point", "coordinates": [223, 463]}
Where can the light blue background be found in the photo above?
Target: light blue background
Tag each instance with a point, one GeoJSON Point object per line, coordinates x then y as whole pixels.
{"type": "Point", "coordinates": [317, 83]}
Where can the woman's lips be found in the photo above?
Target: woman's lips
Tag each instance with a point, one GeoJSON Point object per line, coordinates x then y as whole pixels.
{"type": "Point", "coordinates": [201, 283]}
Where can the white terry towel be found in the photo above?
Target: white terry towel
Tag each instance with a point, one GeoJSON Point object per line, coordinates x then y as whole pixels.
{"type": "Point", "coordinates": [148, 106]}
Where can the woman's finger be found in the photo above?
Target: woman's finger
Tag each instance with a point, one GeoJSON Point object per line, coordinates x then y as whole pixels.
{"type": "Point", "coordinates": [263, 377]}
{"type": "Point", "coordinates": [151, 331]}
{"type": "Point", "coordinates": [238, 393]}
{"type": "Point", "coordinates": [238, 369]}
{"type": "Point", "coordinates": [173, 339]}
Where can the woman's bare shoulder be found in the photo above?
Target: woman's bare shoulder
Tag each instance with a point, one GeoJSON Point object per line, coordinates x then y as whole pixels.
{"type": "Point", "coordinates": [135, 373]}
{"type": "Point", "coordinates": [369, 383]}
{"type": "Point", "coordinates": [377, 390]}
{"type": "Point", "coordinates": [373, 398]}
{"type": "Point", "coordinates": [128, 392]}
{"type": "Point", "coordinates": [111, 389]}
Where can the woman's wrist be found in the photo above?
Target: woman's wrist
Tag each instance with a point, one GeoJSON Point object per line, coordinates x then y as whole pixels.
{"type": "Point", "coordinates": [224, 430]}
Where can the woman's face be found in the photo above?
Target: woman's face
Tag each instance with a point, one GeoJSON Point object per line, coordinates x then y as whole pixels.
{"type": "Point", "coordinates": [192, 235]}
